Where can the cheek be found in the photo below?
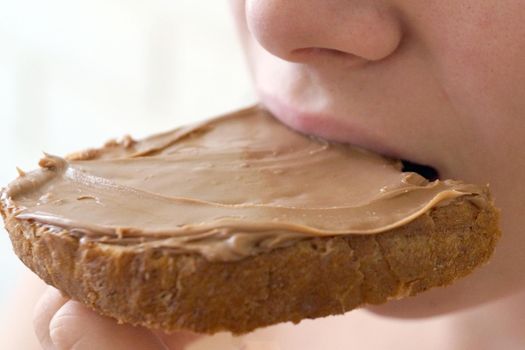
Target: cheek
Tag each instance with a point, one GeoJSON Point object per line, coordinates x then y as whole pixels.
{"type": "Point", "coordinates": [479, 55]}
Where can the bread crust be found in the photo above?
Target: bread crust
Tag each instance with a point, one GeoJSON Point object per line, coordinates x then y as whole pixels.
{"type": "Point", "coordinates": [164, 289]}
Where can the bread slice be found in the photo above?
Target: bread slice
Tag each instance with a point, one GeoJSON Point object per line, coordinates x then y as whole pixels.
{"type": "Point", "coordinates": [163, 288]}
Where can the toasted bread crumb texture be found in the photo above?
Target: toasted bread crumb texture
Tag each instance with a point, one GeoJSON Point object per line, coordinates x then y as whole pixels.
{"type": "Point", "coordinates": [161, 288]}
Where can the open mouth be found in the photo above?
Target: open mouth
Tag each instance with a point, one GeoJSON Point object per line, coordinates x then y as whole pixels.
{"type": "Point", "coordinates": [428, 172]}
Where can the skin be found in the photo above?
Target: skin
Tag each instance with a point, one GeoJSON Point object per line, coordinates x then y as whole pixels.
{"type": "Point", "coordinates": [440, 83]}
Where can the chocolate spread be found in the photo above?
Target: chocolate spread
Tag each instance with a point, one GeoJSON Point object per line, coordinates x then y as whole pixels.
{"type": "Point", "coordinates": [227, 188]}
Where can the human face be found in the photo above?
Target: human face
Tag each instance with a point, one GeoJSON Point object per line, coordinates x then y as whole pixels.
{"type": "Point", "coordinates": [435, 82]}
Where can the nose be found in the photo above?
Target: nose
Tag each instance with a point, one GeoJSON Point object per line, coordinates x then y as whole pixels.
{"type": "Point", "coordinates": [312, 30]}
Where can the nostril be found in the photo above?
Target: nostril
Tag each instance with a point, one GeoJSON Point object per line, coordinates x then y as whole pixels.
{"type": "Point", "coordinates": [313, 54]}
{"type": "Point", "coordinates": [426, 171]}
{"type": "Point", "coordinates": [319, 51]}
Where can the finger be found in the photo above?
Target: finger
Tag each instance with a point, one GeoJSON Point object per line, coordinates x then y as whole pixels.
{"type": "Point", "coordinates": [178, 340]}
{"type": "Point", "coordinates": [46, 307]}
{"type": "Point", "coordinates": [76, 327]}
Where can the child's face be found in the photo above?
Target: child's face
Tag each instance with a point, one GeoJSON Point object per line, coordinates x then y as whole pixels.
{"type": "Point", "coordinates": [437, 82]}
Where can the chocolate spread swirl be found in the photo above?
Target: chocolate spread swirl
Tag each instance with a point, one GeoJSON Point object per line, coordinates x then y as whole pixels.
{"type": "Point", "coordinates": [227, 188]}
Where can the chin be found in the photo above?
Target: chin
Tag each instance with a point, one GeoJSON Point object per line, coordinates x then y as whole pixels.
{"type": "Point", "coordinates": [411, 308]}
{"type": "Point", "coordinates": [465, 294]}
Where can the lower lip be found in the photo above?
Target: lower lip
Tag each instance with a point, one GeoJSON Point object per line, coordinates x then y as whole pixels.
{"type": "Point", "coordinates": [326, 126]}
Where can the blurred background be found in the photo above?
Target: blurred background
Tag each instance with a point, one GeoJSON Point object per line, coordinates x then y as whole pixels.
{"type": "Point", "coordinates": [74, 74]}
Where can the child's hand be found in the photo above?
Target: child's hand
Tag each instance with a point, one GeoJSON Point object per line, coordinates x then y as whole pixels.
{"type": "Point", "coordinates": [61, 323]}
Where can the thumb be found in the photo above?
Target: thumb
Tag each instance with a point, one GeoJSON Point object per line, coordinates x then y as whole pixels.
{"type": "Point", "coordinates": [74, 326]}
{"type": "Point", "coordinates": [46, 307]}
